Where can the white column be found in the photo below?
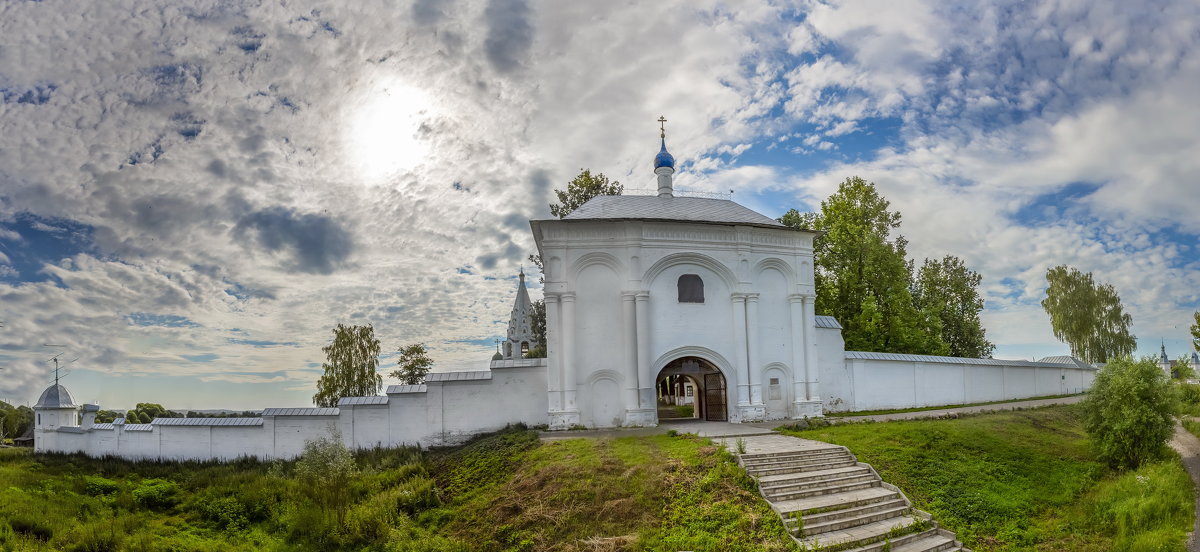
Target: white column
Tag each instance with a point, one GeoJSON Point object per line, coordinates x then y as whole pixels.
{"type": "Point", "coordinates": [754, 375]}
{"type": "Point", "coordinates": [568, 351]}
{"type": "Point", "coordinates": [801, 335]}
{"type": "Point", "coordinates": [645, 378]}
{"type": "Point", "coordinates": [740, 349]}
{"type": "Point", "coordinates": [553, 354]}
{"type": "Point", "coordinates": [630, 349]}
{"type": "Point", "coordinates": [810, 366]}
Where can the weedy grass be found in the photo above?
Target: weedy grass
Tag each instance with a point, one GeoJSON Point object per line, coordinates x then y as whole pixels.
{"type": "Point", "coordinates": [506, 491]}
{"type": "Point", "coordinates": [1023, 480]}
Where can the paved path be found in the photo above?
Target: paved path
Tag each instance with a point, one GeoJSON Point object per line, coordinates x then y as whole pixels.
{"type": "Point", "coordinates": [960, 410]}
{"type": "Point", "coordinates": [726, 429]}
{"type": "Point", "coordinates": [1188, 446]}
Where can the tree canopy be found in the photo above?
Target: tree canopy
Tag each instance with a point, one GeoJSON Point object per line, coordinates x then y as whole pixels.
{"type": "Point", "coordinates": [14, 420]}
{"type": "Point", "coordinates": [351, 366]}
{"type": "Point", "coordinates": [862, 276]}
{"type": "Point", "coordinates": [1129, 412]}
{"type": "Point", "coordinates": [945, 289]}
{"type": "Point", "coordinates": [580, 189]}
{"type": "Point", "coordinates": [1196, 331]}
{"type": "Point", "coordinates": [1087, 315]}
{"type": "Point", "coordinates": [413, 365]}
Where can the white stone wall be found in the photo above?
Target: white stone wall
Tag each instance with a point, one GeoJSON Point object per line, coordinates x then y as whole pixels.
{"type": "Point", "coordinates": [446, 410]}
{"type": "Point", "coordinates": [872, 384]}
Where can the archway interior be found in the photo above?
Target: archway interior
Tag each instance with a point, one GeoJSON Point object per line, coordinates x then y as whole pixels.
{"type": "Point", "coordinates": [691, 388]}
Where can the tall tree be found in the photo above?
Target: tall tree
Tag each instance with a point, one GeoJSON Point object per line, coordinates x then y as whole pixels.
{"type": "Point", "coordinates": [1087, 316]}
{"type": "Point", "coordinates": [581, 189]}
{"type": "Point", "coordinates": [414, 364]}
{"type": "Point", "coordinates": [538, 318]}
{"type": "Point", "coordinates": [946, 289]}
{"type": "Point", "coordinates": [351, 366]}
{"type": "Point", "coordinates": [1196, 332]}
{"type": "Point", "coordinates": [862, 276]}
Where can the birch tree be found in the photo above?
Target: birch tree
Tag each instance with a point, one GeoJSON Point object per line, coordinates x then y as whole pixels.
{"type": "Point", "coordinates": [351, 366]}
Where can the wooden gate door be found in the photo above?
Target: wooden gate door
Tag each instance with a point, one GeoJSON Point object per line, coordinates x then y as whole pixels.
{"type": "Point", "coordinates": [714, 398]}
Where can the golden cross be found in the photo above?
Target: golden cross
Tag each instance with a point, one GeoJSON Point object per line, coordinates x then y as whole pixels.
{"type": "Point", "coordinates": [662, 126]}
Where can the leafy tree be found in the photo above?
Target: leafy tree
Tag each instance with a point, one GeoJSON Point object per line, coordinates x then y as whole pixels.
{"type": "Point", "coordinates": [1087, 316]}
{"type": "Point", "coordinates": [326, 468]}
{"type": "Point", "coordinates": [581, 189]}
{"type": "Point", "coordinates": [538, 314]}
{"type": "Point", "coordinates": [14, 420]}
{"type": "Point", "coordinates": [1182, 369]}
{"type": "Point", "coordinates": [1129, 412]}
{"type": "Point", "coordinates": [351, 366]}
{"type": "Point", "coordinates": [1196, 331]}
{"type": "Point", "coordinates": [414, 364]}
{"type": "Point", "coordinates": [107, 416]}
{"type": "Point", "coordinates": [862, 276]}
{"type": "Point", "coordinates": [947, 289]}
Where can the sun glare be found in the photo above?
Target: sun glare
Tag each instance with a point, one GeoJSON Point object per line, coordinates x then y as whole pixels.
{"type": "Point", "coordinates": [384, 135]}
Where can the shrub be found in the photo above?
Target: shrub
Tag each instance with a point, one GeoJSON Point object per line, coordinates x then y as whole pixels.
{"type": "Point", "coordinates": [326, 467]}
{"type": "Point", "coordinates": [1128, 412]}
{"type": "Point", "coordinates": [156, 494]}
{"type": "Point", "coordinates": [99, 486]}
{"type": "Point", "coordinates": [226, 513]}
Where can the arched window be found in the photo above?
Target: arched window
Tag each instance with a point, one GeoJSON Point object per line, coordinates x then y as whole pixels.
{"type": "Point", "coordinates": [691, 289]}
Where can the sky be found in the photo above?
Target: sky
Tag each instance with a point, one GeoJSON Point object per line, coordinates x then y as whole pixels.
{"type": "Point", "coordinates": [192, 194]}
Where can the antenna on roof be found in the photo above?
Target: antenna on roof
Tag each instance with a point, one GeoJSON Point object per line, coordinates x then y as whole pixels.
{"type": "Point", "coordinates": [57, 365]}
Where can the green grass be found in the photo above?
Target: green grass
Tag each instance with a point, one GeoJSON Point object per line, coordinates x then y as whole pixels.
{"type": "Point", "coordinates": [1023, 480]}
{"type": "Point", "coordinates": [928, 408]}
{"type": "Point", "coordinates": [503, 492]}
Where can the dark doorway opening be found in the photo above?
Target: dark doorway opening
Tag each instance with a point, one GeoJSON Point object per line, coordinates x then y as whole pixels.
{"type": "Point", "coordinates": [692, 388]}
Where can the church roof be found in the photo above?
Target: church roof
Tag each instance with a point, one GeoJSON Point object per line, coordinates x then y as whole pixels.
{"type": "Point", "coordinates": [55, 396]}
{"type": "Point", "coordinates": [688, 209]}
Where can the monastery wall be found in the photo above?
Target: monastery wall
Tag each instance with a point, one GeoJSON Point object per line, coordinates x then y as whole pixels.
{"type": "Point", "coordinates": [449, 408]}
{"type": "Point", "coordinates": [877, 381]}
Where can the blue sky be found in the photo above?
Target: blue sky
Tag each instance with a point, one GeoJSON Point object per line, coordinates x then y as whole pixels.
{"type": "Point", "coordinates": [193, 194]}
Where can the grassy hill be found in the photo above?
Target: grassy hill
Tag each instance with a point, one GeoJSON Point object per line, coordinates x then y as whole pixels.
{"type": "Point", "coordinates": [1008, 481]}
{"type": "Point", "coordinates": [1024, 480]}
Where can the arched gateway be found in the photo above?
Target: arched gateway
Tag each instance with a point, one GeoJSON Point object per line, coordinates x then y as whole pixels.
{"type": "Point", "coordinates": [691, 387]}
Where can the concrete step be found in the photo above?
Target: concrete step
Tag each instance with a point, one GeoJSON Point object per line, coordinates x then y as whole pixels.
{"type": "Point", "coordinates": [854, 511]}
{"type": "Point", "coordinates": [929, 540]}
{"type": "Point", "coordinates": [831, 488]}
{"type": "Point", "coordinates": [794, 451]}
{"type": "Point", "coordinates": [792, 467]}
{"type": "Point", "coordinates": [771, 481]}
{"type": "Point", "coordinates": [799, 462]}
{"type": "Point", "coordinates": [851, 521]}
{"type": "Point", "coordinates": [757, 459]}
{"type": "Point", "coordinates": [803, 484]}
{"type": "Point", "coordinates": [870, 537]}
{"type": "Point", "coordinates": [836, 501]}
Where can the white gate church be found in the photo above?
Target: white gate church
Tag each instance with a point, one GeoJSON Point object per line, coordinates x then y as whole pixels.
{"type": "Point", "coordinates": [643, 287]}
{"type": "Point", "coordinates": [647, 297]}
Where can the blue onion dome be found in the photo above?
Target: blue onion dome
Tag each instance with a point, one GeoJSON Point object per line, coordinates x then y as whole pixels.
{"type": "Point", "coordinates": [664, 159]}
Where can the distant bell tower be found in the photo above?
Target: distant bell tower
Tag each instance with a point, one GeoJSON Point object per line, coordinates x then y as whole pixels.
{"type": "Point", "coordinates": [520, 324]}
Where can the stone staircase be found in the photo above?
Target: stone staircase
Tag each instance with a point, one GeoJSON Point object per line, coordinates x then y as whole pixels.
{"type": "Point", "coordinates": [829, 501]}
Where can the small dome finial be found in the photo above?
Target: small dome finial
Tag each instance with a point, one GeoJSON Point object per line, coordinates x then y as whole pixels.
{"type": "Point", "coordinates": [663, 159]}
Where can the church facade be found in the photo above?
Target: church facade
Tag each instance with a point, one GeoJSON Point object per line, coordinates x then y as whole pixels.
{"type": "Point", "coordinates": [639, 288]}
{"type": "Point", "coordinates": [656, 307]}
